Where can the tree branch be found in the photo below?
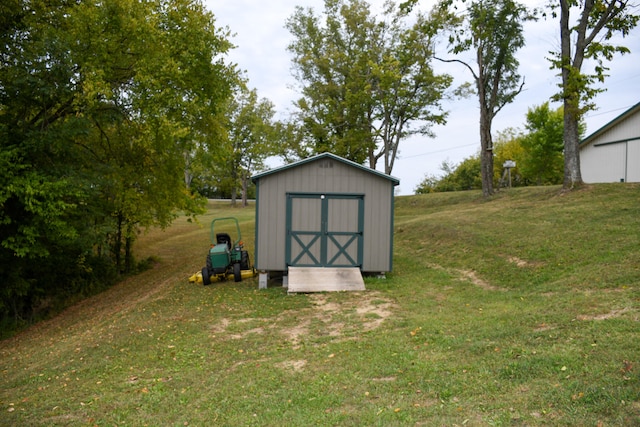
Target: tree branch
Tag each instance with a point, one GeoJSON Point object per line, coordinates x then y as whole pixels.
{"type": "Point", "coordinates": [460, 62]}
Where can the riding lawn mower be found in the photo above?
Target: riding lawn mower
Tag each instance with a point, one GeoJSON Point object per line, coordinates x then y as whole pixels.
{"type": "Point", "coordinates": [226, 258]}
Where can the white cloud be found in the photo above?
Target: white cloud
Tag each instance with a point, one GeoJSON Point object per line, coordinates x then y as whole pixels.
{"type": "Point", "coordinates": [262, 40]}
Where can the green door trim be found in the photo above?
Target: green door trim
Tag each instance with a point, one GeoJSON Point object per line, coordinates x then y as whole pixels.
{"type": "Point", "coordinates": [342, 248]}
{"type": "Point", "coordinates": [305, 248]}
{"type": "Point", "coordinates": [325, 236]}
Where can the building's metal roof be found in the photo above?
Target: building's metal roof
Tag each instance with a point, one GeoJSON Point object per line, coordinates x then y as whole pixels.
{"type": "Point", "coordinates": [610, 125]}
{"type": "Point", "coordinates": [256, 177]}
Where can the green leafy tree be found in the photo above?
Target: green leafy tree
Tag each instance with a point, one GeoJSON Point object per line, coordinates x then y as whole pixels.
{"type": "Point", "coordinates": [492, 31]}
{"type": "Point", "coordinates": [461, 177]}
{"type": "Point", "coordinates": [427, 185]}
{"type": "Point", "coordinates": [250, 137]}
{"type": "Point", "coordinates": [543, 159]}
{"type": "Point", "coordinates": [589, 38]}
{"type": "Point", "coordinates": [99, 102]}
{"type": "Point", "coordinates": [331, 63]}
{"type": "Point", "coordinates": [366, 84]}
{"type": "Point", "coordinates": [508, 146]}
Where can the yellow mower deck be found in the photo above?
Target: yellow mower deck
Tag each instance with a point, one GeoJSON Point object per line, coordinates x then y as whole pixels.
{"type": "Point", "coordinates": [246, 274]}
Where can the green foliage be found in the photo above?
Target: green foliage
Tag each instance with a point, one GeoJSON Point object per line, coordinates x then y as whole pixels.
{"type": "Point", "coordinates": [508, 146]}
{"type": "Point", "coordinates": [543, 160]}
{"type": "Point", "coordinates": [588, 38]}
{"type": "Point", "coordinates": [538, 154]}
{"type": "Point", "coordinates": [100, 104]}
{"type": "Point", "coordinates": [464, 176]}
{"type": "Point", "coordinates": [250, 138]}
{"type": "Point", "coordinates": [597, 24]}
{"type": "Point", "coordinates": [492, 31]}
{"type": "Point", "coordinates": [367, 84]}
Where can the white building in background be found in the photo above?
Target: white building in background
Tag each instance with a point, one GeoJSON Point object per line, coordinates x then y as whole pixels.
{"type": "Point", "coordinates": [612, 153]}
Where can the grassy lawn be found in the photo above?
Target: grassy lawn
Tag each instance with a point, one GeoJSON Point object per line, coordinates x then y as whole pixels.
{"type": "Point", "coordinates": [519, 310]}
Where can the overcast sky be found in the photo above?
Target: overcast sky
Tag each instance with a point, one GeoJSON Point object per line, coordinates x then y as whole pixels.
{"type": "Point", "coordinates": [261, 40]}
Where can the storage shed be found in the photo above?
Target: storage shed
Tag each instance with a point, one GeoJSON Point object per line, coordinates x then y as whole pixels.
{"type": "Point", "coordinates": [612, 153]}
{"type": "Point", "coordinates": [324, 211]}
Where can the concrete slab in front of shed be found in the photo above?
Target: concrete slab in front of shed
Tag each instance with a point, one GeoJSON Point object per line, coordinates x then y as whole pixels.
{"type": "Point", "coordinates": [324, 279]}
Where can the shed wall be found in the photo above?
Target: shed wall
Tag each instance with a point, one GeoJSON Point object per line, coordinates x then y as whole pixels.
{"type": "Point", "coordinates": [324, 176]}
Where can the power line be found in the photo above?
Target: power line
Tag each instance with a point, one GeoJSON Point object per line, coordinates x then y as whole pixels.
{"type": "Point", "coordinates": [610, 111]}
{"type": "Point", "coordinates": [438, 151]}
{"type": "Point", "coordinates": [469, 145]}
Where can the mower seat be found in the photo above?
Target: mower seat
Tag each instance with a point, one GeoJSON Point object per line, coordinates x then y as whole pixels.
{"type": "Point", "coordinates": [224, 238]}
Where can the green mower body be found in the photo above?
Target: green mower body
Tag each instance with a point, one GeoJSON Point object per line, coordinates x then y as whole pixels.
{"type": "Point", "coordinates": [226, 256]}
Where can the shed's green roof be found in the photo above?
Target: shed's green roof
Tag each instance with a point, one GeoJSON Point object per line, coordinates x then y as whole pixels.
{"type": "Point", "coordinates": [256, 177]}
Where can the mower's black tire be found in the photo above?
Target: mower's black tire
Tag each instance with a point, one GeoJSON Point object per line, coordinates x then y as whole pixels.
{"type": "Point", "coordinates": [206, 277]}
{"type": "Point", "coordinates": [237, 275]}
{"type": "Point", "coordinates": [244, 263]}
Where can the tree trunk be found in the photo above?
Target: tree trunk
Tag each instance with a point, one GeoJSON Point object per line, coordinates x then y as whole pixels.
{"type": "Point", "coordinates": [486, 152]}
{"type": "Point", "coordinates": [117, 244]}
{"type": "Point", "coordinates": [372, 158]}
{"type": "Point", "coordinates": [234, 186]}
{"type": "Point", "coordinates": [188, 176]}
{"type": "Point", "coordinates": [129, 261]}
{"type": "Point", "coordinates": [245, 184]}
{"type": "Point", "coordinates": [572, 174]}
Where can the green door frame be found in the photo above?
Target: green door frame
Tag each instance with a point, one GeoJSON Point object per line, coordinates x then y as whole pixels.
{"type": "Point", "coordinates": [324, 236]}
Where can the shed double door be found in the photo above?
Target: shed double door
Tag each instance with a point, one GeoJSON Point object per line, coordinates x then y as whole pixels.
{"type": "Point", "coordinates": [324, 230]}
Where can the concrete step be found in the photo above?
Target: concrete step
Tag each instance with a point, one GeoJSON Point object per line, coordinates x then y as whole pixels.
{"type": "Point", "coordinates": [324, 279]}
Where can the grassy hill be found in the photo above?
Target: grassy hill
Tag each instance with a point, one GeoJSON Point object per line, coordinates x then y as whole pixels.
{"type": "Point", "coordinates": [519, 310]}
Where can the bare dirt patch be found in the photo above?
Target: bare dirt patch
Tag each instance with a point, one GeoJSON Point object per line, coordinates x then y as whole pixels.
{"type": "Point", "coordinates": [341, 320]}
{"type": "Point", "coordinates": [370, 309]}
{"type": "Point", "coordinates": [473, 278]}
{"type": "Point", "coordinates": [257, 331]}
{"type": "Point", "coordinates": [293, 334]}
{"type": "Point", "coordinates": [543, 327]}
{"type": "Point", "coordinates": [468, 275]}
{"type": "Point", "coordinates": [517, 261]}
{"type": "Point", "coordinates": [295, 365]}
{"type": "Point", "coordinates": [604, 316]}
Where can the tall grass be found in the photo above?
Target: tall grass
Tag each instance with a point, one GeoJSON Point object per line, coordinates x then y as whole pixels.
{"type": "Point", "coordinates": [518, 310]}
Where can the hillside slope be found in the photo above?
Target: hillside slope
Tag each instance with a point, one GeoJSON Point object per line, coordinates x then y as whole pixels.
{"type": "Point", "coordinates": [519, 310]}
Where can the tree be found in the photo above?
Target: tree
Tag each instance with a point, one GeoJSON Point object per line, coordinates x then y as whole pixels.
{"type": "Point", "coordinates": [508, 146]}
{"type": "Point", "coordinates": [250, 136]}
{"type": "Point", "coordinates": [367, 84]}
{"type": "Point", "coordinates": [461, 177]}
{"type": "Point", "coordinates": [99, 101]}
{"type": "Point", "coordinates": [586, 39]}
{"type": "Point", "coordinates": [492, 30]}
{"type": "Point", "coordinates": [543, 157]}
